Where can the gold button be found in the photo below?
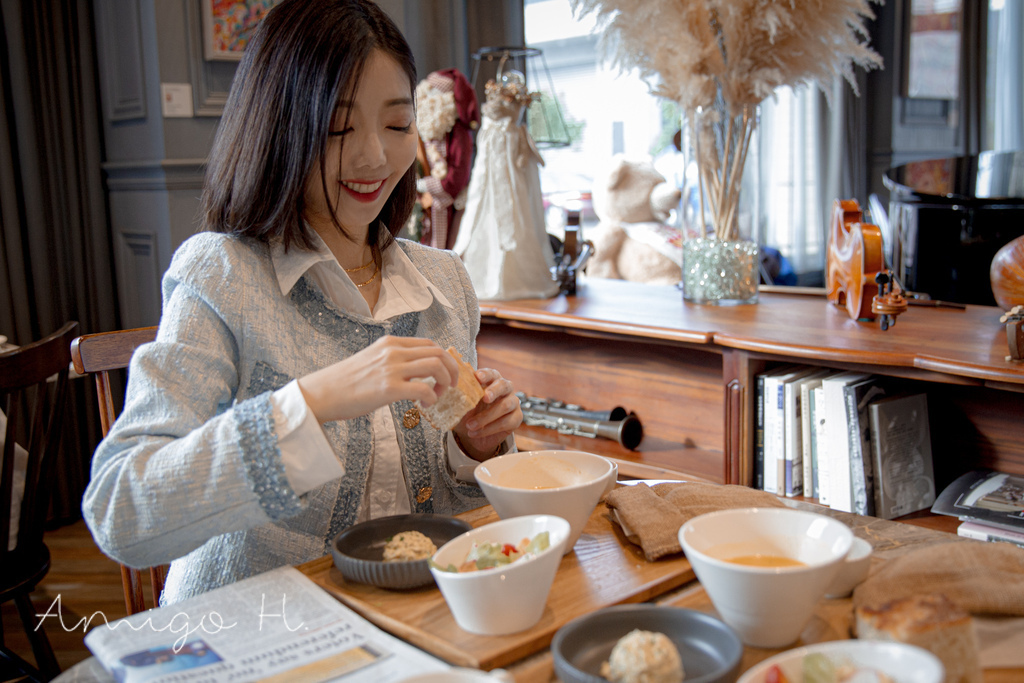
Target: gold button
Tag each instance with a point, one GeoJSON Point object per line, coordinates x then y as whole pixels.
{"type": "Point", "coordinates": [424, 495]}
{"type": "Point", "coordinates": [411, 418]}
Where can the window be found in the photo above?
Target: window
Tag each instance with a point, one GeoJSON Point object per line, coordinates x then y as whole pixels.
{"type": "Point", "coordinates": [1004, 92]}
{"type": "Point", "coordinates": [617, 114]}
{"type": "Point", "coordinates": [610, 113]}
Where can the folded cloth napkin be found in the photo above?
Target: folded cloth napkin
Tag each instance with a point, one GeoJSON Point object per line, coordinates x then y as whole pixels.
{"type": "Point", "coordinates": [654, 514]}
{"type": "Point", "coordinates": [982, 578]}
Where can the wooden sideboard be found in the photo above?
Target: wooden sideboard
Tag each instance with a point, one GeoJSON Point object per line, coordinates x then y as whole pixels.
{"type": "Point", "coordinates": [688, 371]}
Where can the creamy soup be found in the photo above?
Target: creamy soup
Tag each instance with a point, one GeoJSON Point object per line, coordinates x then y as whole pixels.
{"type": "Point", "coordinates": [765, 561]}
{"type": "Point", "coordinates": [539, 472]}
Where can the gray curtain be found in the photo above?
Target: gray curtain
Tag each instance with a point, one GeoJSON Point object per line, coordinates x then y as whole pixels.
{"type": "Point", "coordinates": [56, 260]}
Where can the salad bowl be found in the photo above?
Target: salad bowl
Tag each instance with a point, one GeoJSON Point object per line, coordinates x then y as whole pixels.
{"type": "Point", "coordinates": [900, 662]}
{"type": "Point", "coordinates": [507, 598]}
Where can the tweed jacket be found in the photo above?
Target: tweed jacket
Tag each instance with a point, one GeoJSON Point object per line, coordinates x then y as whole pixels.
{"type": "Point", "coordinates": [191, 474]}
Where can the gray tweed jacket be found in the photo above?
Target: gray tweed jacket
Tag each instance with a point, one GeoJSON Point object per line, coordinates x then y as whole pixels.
{"type": "Point", "coordinates": [191, 472]}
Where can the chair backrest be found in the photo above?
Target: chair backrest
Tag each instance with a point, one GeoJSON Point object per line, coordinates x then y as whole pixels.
{"type": "Point", "coordinates": [98, 355]}
{"type": "Point", "coordinates": [33, 378]}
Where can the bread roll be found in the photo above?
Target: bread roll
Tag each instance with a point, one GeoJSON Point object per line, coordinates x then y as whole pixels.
{"type": "Point", "coordinates": [457, 400]}
{"type": "Point", "coordinates": [933, 622]}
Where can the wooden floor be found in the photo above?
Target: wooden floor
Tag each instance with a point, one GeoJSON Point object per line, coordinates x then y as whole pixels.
{"type": "Point", "coordinates": [86, 581]}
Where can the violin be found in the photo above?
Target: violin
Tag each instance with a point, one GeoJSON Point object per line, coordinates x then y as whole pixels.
{"type": "Point", "coordinates": [856, 276]}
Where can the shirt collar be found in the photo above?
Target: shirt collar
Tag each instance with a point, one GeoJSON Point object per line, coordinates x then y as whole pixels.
{"type": "Point", "coordinates": [291, 265]}
{"type": "Point", "coordinates": [403, 284]}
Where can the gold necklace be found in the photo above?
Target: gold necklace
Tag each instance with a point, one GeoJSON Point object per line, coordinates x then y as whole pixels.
{"type": "Point", "coordinates": [366, 265]}
{"type": "Point", "coordinates": [372, 278]}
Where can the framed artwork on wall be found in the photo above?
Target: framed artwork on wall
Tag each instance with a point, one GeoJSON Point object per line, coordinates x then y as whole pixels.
{"type": "Point", "coordinates": [933, 49]}
{"type": "Point", "coordinates": [228, 25]}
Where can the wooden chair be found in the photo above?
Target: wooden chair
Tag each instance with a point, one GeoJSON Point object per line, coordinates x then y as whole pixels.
{"type": "Point", "coordinates": [98, 355]}
{"type": "Point", "coordinates": [34, 378]}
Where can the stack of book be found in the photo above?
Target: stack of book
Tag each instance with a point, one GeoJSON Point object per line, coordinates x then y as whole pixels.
{"type": "Point", "coordinates": [989, 504]}
{"type": "Point", "coordinates": [844, 439]}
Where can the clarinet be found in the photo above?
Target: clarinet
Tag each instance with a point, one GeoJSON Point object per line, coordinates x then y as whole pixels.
{"type": "Point", "coordinates": [616, 424]}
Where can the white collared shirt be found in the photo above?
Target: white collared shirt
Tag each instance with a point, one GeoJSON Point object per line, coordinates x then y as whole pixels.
{"type": "Point", "coordinates": [308, 458]}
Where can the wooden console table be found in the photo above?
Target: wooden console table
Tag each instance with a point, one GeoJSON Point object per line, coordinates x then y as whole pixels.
{"type": "Point", "coordinates": [688, 371]}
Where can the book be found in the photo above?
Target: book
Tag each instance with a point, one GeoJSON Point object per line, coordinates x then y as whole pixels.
{"type": "Point", "coordinates": [858, 431]}
{"type": "Point", "coordinates": [837, 444]}
{"type": "Point", "coordinates": [902, 451]}
{"type": "Point", "coordinates": [278, 625]}
{"type": "Point", "coordinates": [759, 434]}
{"type": "Point", "coordinates": [984, 532]}
{"type": "Point", "coordinates": [802, 417]}
{"type": "Point", "coordinates": [986, 496]}
{"type": "Point", "coordinates": [774, 427]}
{"type": "Point", "coordinates": [818, 451]}
{"type": "Point", "coordinates": [817, 421]}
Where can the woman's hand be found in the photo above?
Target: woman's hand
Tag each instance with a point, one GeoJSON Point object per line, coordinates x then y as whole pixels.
{"type": "Point", "coordinates": [496, 416]}
{"type": "Point", "coordinates": [384, 372]}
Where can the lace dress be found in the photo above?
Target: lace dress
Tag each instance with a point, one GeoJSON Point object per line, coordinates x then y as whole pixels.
{"type": "Point", "coordinates": [502, 240]}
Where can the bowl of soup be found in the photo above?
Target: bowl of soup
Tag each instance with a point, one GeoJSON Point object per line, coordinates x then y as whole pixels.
{"type": "Point", "coordinates": [568, 484]}
{"type": "Point", "coordinates": [765, 569]}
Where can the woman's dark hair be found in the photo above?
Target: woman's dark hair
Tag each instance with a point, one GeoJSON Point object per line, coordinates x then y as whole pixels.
{"type": "Point", "coordinates": [304, 57]}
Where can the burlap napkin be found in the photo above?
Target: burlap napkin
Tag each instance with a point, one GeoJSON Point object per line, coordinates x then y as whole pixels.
{"type": "Point", "coordinates": [982, 578]}
{"type": "Point", "coordinates": [655, 514]}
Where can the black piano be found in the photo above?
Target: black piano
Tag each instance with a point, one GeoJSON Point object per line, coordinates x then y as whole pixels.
{"type": "Point", "coordinates": [949, 217]}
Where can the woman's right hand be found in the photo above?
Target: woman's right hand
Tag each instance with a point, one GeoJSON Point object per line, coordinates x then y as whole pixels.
{"type": "Point", "coordinates": [384, 372]}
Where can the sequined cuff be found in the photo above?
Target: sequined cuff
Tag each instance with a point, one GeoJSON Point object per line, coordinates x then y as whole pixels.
{"type": "Point", "coordinates": [262, 458]}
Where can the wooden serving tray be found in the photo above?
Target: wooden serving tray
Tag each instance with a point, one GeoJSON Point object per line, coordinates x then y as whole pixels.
{"type": "Point", "coordinates": [604, 569]}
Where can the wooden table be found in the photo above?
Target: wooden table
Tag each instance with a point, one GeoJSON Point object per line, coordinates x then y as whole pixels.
{"type": "Point", "coordinates": [418, 618]}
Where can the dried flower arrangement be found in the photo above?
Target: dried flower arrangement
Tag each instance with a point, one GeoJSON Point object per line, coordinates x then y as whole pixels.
{"type": "Point", "coordinates": [723, 57]}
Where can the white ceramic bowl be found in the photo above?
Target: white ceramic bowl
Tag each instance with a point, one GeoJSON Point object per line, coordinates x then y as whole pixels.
{"type": "Point", "coordinates": [502, 600]}
{"type": "Point", "coordinates": [564, 483]}
{"type": "Point", "coordinates": [853, 570]}
{"type": "Point", "coordinates": [766, 606]}
{"type": "Point", "coordinates": [903, 663]}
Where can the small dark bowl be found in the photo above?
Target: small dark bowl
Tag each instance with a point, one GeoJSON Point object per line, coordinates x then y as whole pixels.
{"type": "Point", "coordinates": [710, 650]}
{"type": "Point", "coordinates": [359, 550]}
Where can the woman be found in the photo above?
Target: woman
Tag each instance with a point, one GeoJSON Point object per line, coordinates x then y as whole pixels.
{"type": "Point", "coordinates": [276, 406]}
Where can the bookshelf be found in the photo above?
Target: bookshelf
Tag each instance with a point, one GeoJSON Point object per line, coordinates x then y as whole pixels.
{"type": "Point", "coordinates": [689, 371]}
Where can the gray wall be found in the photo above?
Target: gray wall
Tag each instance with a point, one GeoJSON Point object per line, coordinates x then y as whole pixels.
{"type": "Point", "coordinates": [154, 164]}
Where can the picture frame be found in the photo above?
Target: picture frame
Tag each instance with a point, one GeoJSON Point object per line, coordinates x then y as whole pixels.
{"type": "Point", "coordinates": [933, 49]}
{"type": "Point", "coordinates": [228, 25]}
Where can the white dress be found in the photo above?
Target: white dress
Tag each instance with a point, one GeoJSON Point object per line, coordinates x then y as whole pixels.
{"type": "Point", "coordinates": [502, 240]}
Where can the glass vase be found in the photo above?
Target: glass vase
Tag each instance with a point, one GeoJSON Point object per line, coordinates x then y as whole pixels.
{"type": "Point", "coordinates": [720, 264]}
{"type": "Point", "coordinates": [720, 272]}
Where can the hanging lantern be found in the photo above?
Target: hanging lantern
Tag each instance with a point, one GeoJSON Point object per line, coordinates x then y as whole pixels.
{"type": "Point", "coordinates": [525, 65]}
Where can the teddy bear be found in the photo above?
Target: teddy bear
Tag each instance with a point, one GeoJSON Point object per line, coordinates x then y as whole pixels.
{"type": "Point", "coordinates": [632, 241]}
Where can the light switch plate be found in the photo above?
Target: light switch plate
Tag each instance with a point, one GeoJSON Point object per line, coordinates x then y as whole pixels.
{"type": "Point", "coordinates": [176, 100]}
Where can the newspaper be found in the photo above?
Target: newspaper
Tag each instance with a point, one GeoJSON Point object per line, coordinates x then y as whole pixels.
{"type": "Point", "coordinates": [276, 626]}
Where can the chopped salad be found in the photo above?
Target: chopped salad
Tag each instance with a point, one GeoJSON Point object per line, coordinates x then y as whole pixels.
{"type": "Point", "coordinates": [491, 555]}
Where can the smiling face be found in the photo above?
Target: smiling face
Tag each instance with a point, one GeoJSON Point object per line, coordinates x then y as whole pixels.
{"type": "Point", "coordinates": [378, 128]}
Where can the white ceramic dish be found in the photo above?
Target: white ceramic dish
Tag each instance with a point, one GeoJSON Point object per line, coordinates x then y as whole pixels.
{"type": "Point", "coordinates": [853, 570]}
{"type": "Point", "coordinates": [767, 606]}
{"type": "Point", "coordinates": [568, 484]}
{"type": "Point", "coordinates": [903, 663]}
{"type": "Point", "coordinates": [505, 599]}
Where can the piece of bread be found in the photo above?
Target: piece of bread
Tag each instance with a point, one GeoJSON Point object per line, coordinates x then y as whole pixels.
{"type": "Point", "coordinates": [457, 400]}
{"type": "Point", "coordinates": [932, 622]}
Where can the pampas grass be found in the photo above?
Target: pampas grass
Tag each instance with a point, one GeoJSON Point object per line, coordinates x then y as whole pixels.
{"type": "Point", "coordinates": [723, 57]}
